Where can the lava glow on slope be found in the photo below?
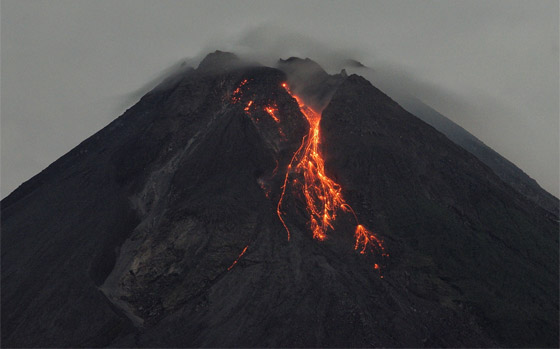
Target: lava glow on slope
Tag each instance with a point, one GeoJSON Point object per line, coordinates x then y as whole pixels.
{"type": "Point", "coordinates": [238, 258]}
{"type": "Point", "coordinates": [323, 196]}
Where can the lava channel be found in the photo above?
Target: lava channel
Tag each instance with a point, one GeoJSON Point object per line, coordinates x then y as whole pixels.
{"type": "Point", "coordinates": [238, 258]}
{"type": "Point", "coordinates": [323, 196]}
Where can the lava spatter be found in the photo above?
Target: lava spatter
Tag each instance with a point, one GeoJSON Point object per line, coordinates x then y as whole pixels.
{"type": "Point", "coordinates": [272, 110]}
{"type": "Point", "coordinates": [236, 95]}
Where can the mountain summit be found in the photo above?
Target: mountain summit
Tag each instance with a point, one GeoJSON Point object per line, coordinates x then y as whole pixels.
{"type": "Point", "coordinates": [237, 205]}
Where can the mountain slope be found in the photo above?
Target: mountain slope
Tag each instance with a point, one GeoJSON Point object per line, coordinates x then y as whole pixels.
{"type": "Point", "coordinates": [162, 230]}
{"type": "Point", "coordinates": [456, 224]}
{"type": "Point", "coordinates": [506, 170]}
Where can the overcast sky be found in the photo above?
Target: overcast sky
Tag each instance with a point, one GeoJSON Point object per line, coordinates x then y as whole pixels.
{"type": "Point", "coordinates": [70, 67]}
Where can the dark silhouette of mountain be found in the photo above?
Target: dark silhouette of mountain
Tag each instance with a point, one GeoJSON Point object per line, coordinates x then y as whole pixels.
{"type": "Point", "coordinates": [163, 229]}
{"type": "Point", "coordinates": [505, 169]}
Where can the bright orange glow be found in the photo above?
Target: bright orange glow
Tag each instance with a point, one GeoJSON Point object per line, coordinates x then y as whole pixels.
{"type": "Point", "coordinates": [323, 196]}
{"type": "Point", "coordinates": [238, 258]}
{"type": "Point", "coordinates": [235, 97]}
{"type": "Point", "coordinates": [272, 110]}
{"type": "Point", "coordinates": [367, 240]}
{"type": "Point", "coordinates": [248, 106]}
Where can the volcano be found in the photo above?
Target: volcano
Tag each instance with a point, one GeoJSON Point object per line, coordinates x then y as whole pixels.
{"type": "Point", "coordinates": [239, 205]}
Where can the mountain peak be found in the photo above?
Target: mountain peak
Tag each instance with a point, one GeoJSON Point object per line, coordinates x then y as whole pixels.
{"type": "Point", "coordinates": [218, 60]}
{"type": "Point", "coordinates": [306, 65]}
{"type": "Point", "coordinates": [310, 81]}
{"type": "Point", "coordinates": [352, 63]}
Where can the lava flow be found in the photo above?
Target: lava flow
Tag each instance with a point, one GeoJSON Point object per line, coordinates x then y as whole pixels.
{"type": "Point", "coordinates": [238, 258]}
{"type": "Point", "coordinates": [323, 196]}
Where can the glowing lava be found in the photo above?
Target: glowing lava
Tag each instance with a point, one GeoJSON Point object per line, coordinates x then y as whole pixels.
{"type": "Point", "coordinates": [236, 95]}
{"type": "Point", "coordinates": [323, 196]}
{"type": "Point", "coordinates": [272, 111]}
{"type": "Point", "coordinates": [238, 258]}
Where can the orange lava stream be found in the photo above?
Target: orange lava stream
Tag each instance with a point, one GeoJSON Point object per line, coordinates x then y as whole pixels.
{"type": "Point", "coordinates": [323, 196]}
{"type": "Point", "coordinates": [236, 95]}
{"type": "Point", "coordinates": [239, 257]}
{"type": "Point", "coordinates": [272, 110]}
{"type": "Point", "coordinates": [248, 106]}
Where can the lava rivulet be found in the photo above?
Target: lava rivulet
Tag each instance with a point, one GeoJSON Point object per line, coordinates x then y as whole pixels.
{"type": "Point", "coordinates": [272, 110]}
{"type": "Point", "coordinates": [238, 258]}
{"type": "Point", "coordinates": [323, 196]}
{"type": "Point", "coordinates": [236, 95]}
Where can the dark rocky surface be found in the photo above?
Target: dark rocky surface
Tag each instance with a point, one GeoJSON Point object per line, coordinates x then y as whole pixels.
{"type": "Point", "coordinates": [128, 240]}
{"type": "Point", "coordinates": [504, 168]}
{"type": "Point", "coordinates": [310, 81]}
{"type": "Point", "coordinates": [451, 219]}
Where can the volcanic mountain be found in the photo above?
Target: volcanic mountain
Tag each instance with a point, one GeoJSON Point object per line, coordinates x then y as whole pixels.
{"type": "Point", "coordinates": [504, 168]}
{"type": "Point", "coordinates": [238, 205]}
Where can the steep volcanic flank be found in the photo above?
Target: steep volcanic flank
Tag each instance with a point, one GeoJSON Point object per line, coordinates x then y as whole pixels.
{"type": "Point", "coordinates": [506, 170]}
{"type": "Point", "coordinates": [323, 196]}
{"type": "Point", "coordinates": [225, 209]}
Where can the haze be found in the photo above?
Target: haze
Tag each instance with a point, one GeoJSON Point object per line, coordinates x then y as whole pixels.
{"type": "Point", "coordinates": [68, 68]}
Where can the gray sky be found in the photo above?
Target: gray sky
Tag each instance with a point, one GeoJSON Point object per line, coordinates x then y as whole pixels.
{"type": "Point", "coordinates": [70, 67]}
